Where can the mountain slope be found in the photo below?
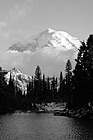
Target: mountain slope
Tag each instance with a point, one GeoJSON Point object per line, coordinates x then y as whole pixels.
{"type": "Point", "coordinates": [21, 80]}
{"type": "Point", "coordinates": [49, 49]}
{"type": "Point", "coordinates": [48, 38]}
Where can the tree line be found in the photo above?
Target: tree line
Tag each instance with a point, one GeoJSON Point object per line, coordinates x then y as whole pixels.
{"type": "Point", "coordinates": [75, 88]}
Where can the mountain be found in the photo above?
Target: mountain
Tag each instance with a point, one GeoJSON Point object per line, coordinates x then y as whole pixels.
{"type": "Point", "coordinates": [48, 38]}
{"type": "Point", "coordinates": [20, 79]}
{"type": "Point", "coordinates": [49, 49]}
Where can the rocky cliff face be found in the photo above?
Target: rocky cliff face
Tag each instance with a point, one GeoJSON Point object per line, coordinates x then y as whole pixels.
{"type": "Point", "coordinates": [21, 80]}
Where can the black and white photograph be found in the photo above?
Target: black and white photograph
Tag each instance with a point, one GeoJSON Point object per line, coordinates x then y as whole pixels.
{"type": "Point", "coordinates": [46, 69]}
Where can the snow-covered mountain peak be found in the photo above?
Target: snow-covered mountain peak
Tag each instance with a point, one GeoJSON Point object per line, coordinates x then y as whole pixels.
{"type": "Point", "coordinates": [48, 38]}
{"type": "Point", "coordinates": [50, 30]}
{"type": "Point", "coordinates": [64, 40]}
{"type": "Point", "coordinates": [20, 79]}
{"type": "Point", "coordinates": [15, 70]}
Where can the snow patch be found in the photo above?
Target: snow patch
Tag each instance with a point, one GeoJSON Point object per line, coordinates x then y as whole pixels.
{"type": "Point", "coordinates": [20, 80]}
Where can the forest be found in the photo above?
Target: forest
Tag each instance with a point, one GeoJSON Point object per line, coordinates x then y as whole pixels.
{"type": "Point", "coordinates": [75, 88]}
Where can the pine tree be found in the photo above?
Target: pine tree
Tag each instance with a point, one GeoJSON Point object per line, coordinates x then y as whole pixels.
{"type": "Point", "coordinates": [12, 95]}
{"type": "Point", "coordinates": [83, 73]}
{"type": "Point", "coordinates": [37, 85]}
{"type": "Point", "coordinates": [44, 89]}
{"type": "Point", "coordinates": [61, 78]}
{"type": "Point", "coordinates": [81, 62]}
{"type": "Point", "coordinates": [4, 94]}
{"type": "Point", "coordinates": [68, 78]}
{"type": "Point", "coordinates": [53, 88]}
{"type": "Point", "coordinates": [32, 90]}
{"type": "Point", "coordinates": [60, 90]}
{"type": "Point", "coordinates": [11, 85]}
{"type": "Point", "coordinates": [38, 73]}
{"type": "Point", "coordinates": [89, 45]}
{"type": "Point", "coordinates": [80, 72]}
{"type": "Point", "coordinates": [56, 89]}
{"type": "Point", "coordinates": [68, 75]}
{"type": "Point", "coordinates": [48, 91]}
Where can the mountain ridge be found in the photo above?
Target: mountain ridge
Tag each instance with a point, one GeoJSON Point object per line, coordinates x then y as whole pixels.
{"type": "Point", "coordinates": [20, 79]}
{"type": "Point", "coordinates": [48, 38]}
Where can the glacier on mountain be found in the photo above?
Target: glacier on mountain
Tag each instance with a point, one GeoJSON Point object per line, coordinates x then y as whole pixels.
{"type": "Point", "coordinates": [48, 38]}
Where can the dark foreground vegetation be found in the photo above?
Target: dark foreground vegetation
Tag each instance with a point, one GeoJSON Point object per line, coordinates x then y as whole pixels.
{"type": "Point", "coordinates": [75, 89]}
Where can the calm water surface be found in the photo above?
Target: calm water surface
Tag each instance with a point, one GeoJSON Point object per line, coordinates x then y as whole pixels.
{"type": "Point", "coordinates": [36, 126]}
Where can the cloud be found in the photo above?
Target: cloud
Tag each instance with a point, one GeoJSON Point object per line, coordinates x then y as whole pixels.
{"type": "Point", "coordinates": [10, 60]}
{"type": "Point", "coordinates": [11, 28]}
{"type": "Point", "coordinates": [50, 63]}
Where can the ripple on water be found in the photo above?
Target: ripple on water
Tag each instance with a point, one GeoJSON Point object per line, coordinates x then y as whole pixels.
{"type": "Point", "coordinates": [35, 126]}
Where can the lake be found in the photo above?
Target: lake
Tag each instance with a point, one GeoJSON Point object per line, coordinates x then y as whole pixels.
{"type": "Point", "coordinates": [44, 126]}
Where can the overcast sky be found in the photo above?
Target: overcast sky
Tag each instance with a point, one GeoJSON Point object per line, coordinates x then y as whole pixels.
{"type": "Point", "coordinates": [19, 19]}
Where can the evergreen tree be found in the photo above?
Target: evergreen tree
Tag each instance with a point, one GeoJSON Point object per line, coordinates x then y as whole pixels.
{"type": "Point", "coordinates": [83, 73]}
{"type": "Point", "coordinates": [37, 85]}
{"type": "Point", "coordinates": [60, 90]}
{"type": "Point", "coordinates": [11, 90]}
{"type": "Point", "coordinates": [0, 69]}
{"type": "Point", "coordinates": [68, 79]}
{"type": "Point", "coordinates": [61, 78]}
{"type": "Point", "coordinates": [11, 85]}
{"type": "Point", "coordinates": [56, 89]}
{"type": "Point", "coordinates": [44, 89]}
{"type": "Point", "coordinates": [53, 88]}
{"type": "Point", "coordinates": [89, 62]}
{"type": "Point", "coordinates": [48, 91]}
{"type": "Point", "coordinates": [4, 102]}
{"type": "Point", "coordinates": [80, 73]}
{"type": "Point", "coordinates": [18, 99]}
{"type": "Point", "coordinates": [81, 65]}
{"type": "Point", "coordinates": [38, 73]}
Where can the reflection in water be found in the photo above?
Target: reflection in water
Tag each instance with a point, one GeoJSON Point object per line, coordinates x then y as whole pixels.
{"type": "Point", "coordinates": [25, 126]}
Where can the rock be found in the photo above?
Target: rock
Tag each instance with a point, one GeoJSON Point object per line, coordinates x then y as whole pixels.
{"type": "Point", "coordinates": [81, 113]}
